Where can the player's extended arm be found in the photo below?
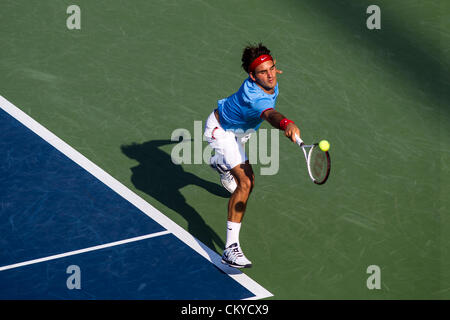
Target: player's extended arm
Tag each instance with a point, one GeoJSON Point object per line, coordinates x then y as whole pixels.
{"type": "Point", "coordinates": [274, 118]}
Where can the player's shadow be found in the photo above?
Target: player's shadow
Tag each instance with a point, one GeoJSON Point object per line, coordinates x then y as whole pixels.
{"type": "Point", "coordinates": [160, 178]}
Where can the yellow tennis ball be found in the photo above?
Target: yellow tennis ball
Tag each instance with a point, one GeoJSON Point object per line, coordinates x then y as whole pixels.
{"type": "Point", "coordinates": [324, 145]}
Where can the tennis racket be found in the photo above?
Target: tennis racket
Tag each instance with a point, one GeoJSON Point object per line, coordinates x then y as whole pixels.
{"type": "Point", "coordinates": [317, 161]}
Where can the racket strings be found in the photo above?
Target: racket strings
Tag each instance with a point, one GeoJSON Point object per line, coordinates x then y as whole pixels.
{"type": "Point", "coordinates": [318, 164]}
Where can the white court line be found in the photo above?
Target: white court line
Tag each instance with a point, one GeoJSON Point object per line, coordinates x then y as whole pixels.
{"type": "Point", "coordinates": [72, 253]}
{"type": "Point", "coordinates": [251, 285]}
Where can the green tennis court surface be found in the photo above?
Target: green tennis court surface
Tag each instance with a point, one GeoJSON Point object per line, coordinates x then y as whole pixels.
{"type": "Point", "coordinates": [116, 90]}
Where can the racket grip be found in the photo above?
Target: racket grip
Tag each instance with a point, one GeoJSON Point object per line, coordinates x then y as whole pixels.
{"type": "Point", "coordinates": [298, 140]}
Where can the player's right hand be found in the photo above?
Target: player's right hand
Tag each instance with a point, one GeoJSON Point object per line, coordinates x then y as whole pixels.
{"type": "Point", "coordinates": [291, 131]}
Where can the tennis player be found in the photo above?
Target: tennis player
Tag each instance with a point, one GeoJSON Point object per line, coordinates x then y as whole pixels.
{"type": "Point", "coordinates": [228, 128]}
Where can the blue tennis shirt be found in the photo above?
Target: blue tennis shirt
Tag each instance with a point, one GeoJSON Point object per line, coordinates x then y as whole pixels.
{"type": "Point", "coordinates": [243, 109]}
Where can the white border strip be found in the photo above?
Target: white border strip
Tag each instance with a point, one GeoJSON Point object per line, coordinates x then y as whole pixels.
{"type": "Point", "coordinates": [132, 197]}
{"type": "Point", "coordinates": [72, 253]}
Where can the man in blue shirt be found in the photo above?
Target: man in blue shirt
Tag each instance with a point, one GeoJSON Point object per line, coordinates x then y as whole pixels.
{"type": "Point", "coordinates": [229, 126]}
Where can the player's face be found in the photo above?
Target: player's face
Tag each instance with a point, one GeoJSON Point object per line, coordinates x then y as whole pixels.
{"type": "Point", "coordinates": [266, 75]}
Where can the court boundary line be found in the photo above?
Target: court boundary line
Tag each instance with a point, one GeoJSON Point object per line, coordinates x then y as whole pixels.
{"type": "Point", "coordinates": [88, 249]}
{"type": "Point", "coordinates": [248, 283]}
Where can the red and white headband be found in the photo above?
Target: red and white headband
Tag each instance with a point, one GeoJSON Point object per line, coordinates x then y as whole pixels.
{"type": "Point", "coordinates": [261, 59]}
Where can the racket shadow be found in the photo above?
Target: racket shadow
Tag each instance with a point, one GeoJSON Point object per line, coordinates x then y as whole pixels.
{"type": "Point", "coordinates": [160, 178]}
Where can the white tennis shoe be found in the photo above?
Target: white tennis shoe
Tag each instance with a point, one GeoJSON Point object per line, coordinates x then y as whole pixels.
{"type": "Point", "coordinates": [226, 178]}
{"type": "Point", "coordinates": [234, 257]}
{"type": "Point", "coordinates": [228, 181]}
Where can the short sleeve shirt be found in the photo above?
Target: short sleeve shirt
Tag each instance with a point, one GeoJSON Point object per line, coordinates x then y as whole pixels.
{"type": "Point", "coordinates": [243, 110]}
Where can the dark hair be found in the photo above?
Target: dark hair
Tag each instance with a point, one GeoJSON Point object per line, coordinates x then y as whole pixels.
{"type": "Point", "coordinates": [251, 52]}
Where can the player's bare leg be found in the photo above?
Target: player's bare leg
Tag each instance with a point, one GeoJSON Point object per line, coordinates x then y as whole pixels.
{"type": "Point", "coordinates": [245, 179]}
{"type": "Point", "coordinates": [237, 204]}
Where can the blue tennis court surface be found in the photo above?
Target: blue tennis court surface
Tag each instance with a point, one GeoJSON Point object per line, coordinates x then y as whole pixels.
{"type": "Point", "coordinates": [54, 214]}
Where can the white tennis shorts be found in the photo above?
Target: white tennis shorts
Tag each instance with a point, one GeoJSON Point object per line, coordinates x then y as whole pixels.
{"type": "Point", "coordinates": [229, 149]}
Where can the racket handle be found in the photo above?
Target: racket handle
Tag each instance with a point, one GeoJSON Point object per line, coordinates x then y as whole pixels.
{"type": "Point", "coordinates": [299, 140]}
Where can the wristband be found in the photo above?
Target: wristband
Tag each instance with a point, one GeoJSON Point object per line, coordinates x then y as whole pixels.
{"type": "Point", "coordinates": [284, 123]}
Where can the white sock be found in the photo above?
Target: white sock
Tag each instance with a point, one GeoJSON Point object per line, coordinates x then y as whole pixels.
{"type": "Point", "coordinates": [233, 229]}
